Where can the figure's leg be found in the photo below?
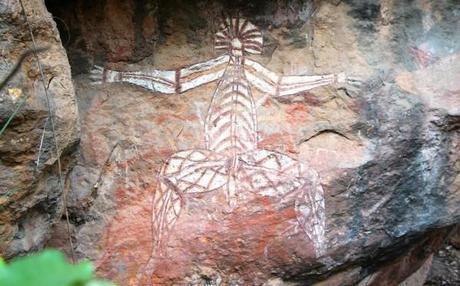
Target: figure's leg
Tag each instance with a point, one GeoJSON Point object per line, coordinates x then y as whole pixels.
{"type": "Point", "coordinates": [278, 175]}
{"type": "Point", "coordinates": [311, 212]}
{"type": "Point", "coordinates": [270, 173]}
{"type": "Point", "coordinates": [186, 172]}
{"type": "Point", "coordinates": [166, 206]}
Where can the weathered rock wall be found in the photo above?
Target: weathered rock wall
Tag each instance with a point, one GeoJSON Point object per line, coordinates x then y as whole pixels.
{"type": "Point", "coordinates": [106, 31]}
{"type": "Point", "coordinates": [30, 196]}
{"type": "Point", "coordinates": [386, 150]}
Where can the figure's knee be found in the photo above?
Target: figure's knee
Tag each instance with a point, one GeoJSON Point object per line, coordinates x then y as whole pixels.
{"type": "Point", "coordinates": [274, 161]}
{"type": "Point", "coordinates": [183, 159]}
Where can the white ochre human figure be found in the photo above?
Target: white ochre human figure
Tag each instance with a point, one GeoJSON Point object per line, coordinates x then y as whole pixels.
{"type": "Point", "coordinates": [231, 160]}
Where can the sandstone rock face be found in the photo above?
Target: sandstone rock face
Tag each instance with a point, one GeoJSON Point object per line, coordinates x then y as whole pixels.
{"type": "Point", "coordinates": [386, 151]}
{"type": "Point", "coordinates": [30, 197]}
{"type": "Point", "coordinates": [106, 31]}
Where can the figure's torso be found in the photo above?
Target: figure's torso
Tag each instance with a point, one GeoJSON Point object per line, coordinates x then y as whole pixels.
{"type": "Point", "coordinates": [231, 124]}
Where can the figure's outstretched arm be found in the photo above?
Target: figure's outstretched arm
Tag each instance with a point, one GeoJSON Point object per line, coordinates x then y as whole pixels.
{"type": "Point", "coordinates": [166, 81]}
{"type": "Point", "coordinates": [282, 85]}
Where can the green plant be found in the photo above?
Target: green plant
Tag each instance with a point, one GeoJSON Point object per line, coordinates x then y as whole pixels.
{"type": "Point", "coordinates": [47, 268]}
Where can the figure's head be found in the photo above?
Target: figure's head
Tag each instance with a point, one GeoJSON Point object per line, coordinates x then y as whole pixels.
{"type": "Point", "coordinates": [239, 37]}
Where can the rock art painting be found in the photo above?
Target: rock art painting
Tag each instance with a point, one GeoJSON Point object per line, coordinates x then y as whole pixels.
{"type": "Point", "coordinates": [231, 160]}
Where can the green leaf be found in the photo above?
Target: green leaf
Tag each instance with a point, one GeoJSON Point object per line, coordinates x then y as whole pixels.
{"type": "Point", "coordinates": [49, 268]}
{"type": "Point", "coordinates": [99, 283]}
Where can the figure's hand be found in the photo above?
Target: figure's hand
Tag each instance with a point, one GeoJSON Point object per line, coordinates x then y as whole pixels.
{"type": "Point", "coordinates": [96, 75]}
{"type": "Point", "coordinates": [349, 84]}
{"type": "Point", "coordinates": [341, 78]}
{"type": "Point", "coordinates": [354, 81]}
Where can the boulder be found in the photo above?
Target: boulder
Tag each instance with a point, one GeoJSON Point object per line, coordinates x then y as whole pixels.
{"type": "Point", "coordinates": [30, 194]}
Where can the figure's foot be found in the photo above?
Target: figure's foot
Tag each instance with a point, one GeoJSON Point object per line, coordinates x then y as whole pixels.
{"type": "Point", "coordinates": [96, 75]}
{"type": "Point", "coordinates": [145, 275]}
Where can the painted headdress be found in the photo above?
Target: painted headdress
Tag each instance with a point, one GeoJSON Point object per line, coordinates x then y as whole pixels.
{"type": "Point", "coordinates": [239, 37]}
